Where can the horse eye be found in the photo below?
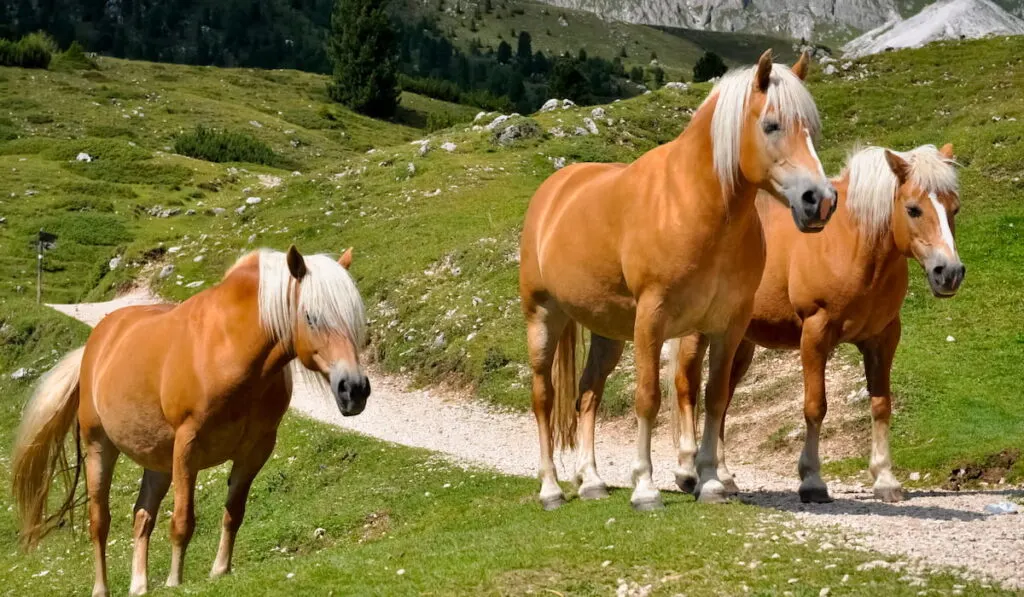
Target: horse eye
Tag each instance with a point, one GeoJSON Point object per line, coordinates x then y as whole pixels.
{"type": "Point", "coordinates": [311, 320]}
{"type": "Point", "coordinates": [956, 210]}
{"type": "Point", "coordinates": [913, 211]}
{"type": "Point", "coordinates": [771, 126]}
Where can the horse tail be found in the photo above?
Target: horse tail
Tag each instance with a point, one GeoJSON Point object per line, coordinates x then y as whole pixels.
{"type": "Point", "coordinates": [564, 377]}
{"type": "Point", "coordinates": [40, 451]}
{"type": "Point", "coordinates": [675, 423]}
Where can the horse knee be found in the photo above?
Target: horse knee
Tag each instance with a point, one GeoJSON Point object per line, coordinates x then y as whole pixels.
{"type": "Point", "coordinates": [182, 528]}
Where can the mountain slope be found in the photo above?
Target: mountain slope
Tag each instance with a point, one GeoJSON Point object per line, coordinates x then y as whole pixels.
{"type": "Point", "coordinates": [950, 19]}
{"type": "Point", "coordinates": [810, 19]}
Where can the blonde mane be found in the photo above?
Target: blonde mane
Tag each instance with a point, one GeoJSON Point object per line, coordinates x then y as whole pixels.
{"type": "Point", "coordinates": [872, 186]}
{"type": "Point", "coordinates": [786, 94]}
{"type": "Point", "coordinates": [327, 293]}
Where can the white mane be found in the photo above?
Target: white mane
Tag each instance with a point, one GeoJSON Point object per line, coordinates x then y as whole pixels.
{"type": "Point", "coordinates": [786, 94]}
{"type": "Point", "coordinates": [873, 185]}
{"type": "Point", "coordinates": [327, 294]}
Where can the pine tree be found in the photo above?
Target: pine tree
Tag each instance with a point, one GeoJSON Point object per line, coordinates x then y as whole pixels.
{"type": "Point", "coordinates": [708, 67]}
{"type": "Point", "coordinates": [487, 6]}
{"type": "Point", "coordinates": [567, 81]}
{"type": "Point", "coordinates": [363, 49]}
{"type": "Point", "coordinates": [504, 52]}
{"type": "Point", "coordinates": [524, 51]}
{"type": "Point", "coordinates": [636, 74]}
{"type": "Point", "coordinates": [657, 76]}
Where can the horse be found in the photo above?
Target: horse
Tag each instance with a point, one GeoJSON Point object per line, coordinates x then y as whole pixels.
{"type": "Point", "coordinates": [659, 248]}
{"type": "Point", "coordinates": [181, 388]}
{"type": "Point", "coordinates": [845, 285]}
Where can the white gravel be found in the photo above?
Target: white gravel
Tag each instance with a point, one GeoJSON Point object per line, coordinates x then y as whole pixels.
{"type": "Point", "coordinates": [932, 529]}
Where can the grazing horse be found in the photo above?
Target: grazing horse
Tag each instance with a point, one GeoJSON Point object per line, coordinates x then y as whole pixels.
{"type": "Point", "coordinates": [182, 388]}
{"type": "Point", "coordinates": [845, 285]}
{"type": "Point", "coordinates": [659, 248]}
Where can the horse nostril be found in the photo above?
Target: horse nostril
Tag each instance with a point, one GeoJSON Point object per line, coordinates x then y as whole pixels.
{"type": "Point", "coordinates": [938, 270]}
{"type": "Point", "coordinates": [809, 198]}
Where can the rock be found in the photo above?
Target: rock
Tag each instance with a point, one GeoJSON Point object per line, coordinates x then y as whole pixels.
{"type": "Point", "coordinates": [847, 65]}
{"type": "Point", "coordinates": [480, 116]}
{"type": "Point", "coordinates": [424, 148]}
{"type": "Point", "coordinates": [20, 373]}
{"type": "Point", "coordinates": [3, 220]}
{"type": "Point", "coordinates": [439, 341]}
{"type": "Point", "coordinates": [1002, 508]}
{"type": "Point", "coordinates": [411, 168]}
{"type": "Point", "coordinates": [218, 211]}
{"type": "Point", "coordinates": [915, 476]}
{"type": "Point", "coordinates": [113, 263]}
{"type": "Point", "coordinates": [448, 146]}
{"type": "Point", "coordinates": [568, 103]}
{"type": "Point", "coordinates": [269, 181]}
{"type": "Point", "coordinates": [858, 396]}
{"type": "Point", "coordinates": [497, 122]}
{"type": "Point", "coordinates": [556, 132]}
{"type": "Point", "coordinates": [950, 339]}
{"type": "Point", "coordinates": [240, 210]}
{"type": "Point", "coordinates": [516, 131]}
{"type": "Point", "coordinates": [174, 250]}
{"type": "Point", "coordinates": [559, 163]}
{"type": "Point", "coordinates": [158, 211]}
{"type": "Point", "coordinates": [252, 238]}
{"type": "Point", "coordinates": [319, 533]}
{"type": "Point", "coordinates": [581, 132]}
{"type": "Point", "coordinates": [677, 85]}
{"type": "Point", "coordinates": [551, 104]}
{"type": "Point", "coordinates": [433, 193]}
{"type": "Point", "coordinates": [197, 259]}
{"type": "Point", "coordinates": [253, 201]}
{"type": "Point", "coordinates": [84, 157]}
{"type": "Point", "coordinates": [196, 284]}
{"type": "Point", "coordinates": [256, 124]}
{"type": "Point", "coordinates": [591, 126]}
{"type": "Point", "coordinates": [597, 113]}
{"type": "Point", "coordinates": [830, 69]}
{"type": "Point", "coordinates": [166, 271]}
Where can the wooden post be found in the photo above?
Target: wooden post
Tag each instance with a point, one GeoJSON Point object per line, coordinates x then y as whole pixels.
{"type": "Point", "coordinates": [39, 267]}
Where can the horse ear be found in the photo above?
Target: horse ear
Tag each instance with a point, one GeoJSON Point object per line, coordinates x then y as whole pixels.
{"type": "Point", "coordinates": [764, 70]}
{"type": "Point", "coordinates": [803, 65]}
{"type": "Point", "coordinates": [899, 166]}
{"type": "Point", "coordinates": [346, 258]}
{"type": "Point", "coordinates": [296, 264]}
{"type": "Point", "coordinates": [947, 151]}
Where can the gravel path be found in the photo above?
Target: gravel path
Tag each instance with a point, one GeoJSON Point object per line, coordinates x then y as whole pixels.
{"type": "Point", "coordinates": [930, 529]}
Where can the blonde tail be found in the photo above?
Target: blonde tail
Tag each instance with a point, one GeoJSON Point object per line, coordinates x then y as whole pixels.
{"type": "Point", "coordinates": [39, 451]}
{"type": "Point", "coordinates": [564, 377]}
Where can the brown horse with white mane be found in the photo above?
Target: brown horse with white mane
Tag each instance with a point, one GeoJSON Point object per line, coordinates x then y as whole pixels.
{"type": "Point", "coordinates": [845, 285]}
{"type": "Point", "coordinates": [666, 246]}
{"type": "Point", "coordinates": [182, 388]}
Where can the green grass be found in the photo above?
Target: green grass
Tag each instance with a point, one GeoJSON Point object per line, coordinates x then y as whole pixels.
{"type": "Point", "coordinates": [436, 247]}
{"type": "Point", "coordinates": [384, 508]}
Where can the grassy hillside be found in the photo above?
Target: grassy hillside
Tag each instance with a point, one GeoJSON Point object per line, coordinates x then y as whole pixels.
{"type": "Point", "coordinates": [436, 235]}
{"type": "Point", "coordinates": [337, 513]}
{"type": "Point", "coordinates": [677, 49]}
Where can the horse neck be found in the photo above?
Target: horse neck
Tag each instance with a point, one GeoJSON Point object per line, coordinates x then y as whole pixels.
{"type": "Point", "coordinates": [237, 297]}
{"type": "Point", "coordinates": [692, 155]}
{"type": "Point", "coordinates": [873, 257]}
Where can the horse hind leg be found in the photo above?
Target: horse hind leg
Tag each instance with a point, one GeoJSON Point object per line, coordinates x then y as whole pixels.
{"type": "Point", "coordinates": [815, 346]}
{"type": "Point", "coordinates": [601, 361]}
{"type": "Point", "coordinates": [151, 494]}
{"type": "Point", "coordinates": [687, 363]}
{"type": "Point", "coordinates": [243, 472]}
{"type": "Point", "coordinates": [878, 357]}
{"type": "Point", "coordinates": [544, 327]}
{"type": "Point", "coordinates": [740, 365]}
{"type": "Point", "coordinates": [100, 458]}
{"type": "Point", "coordinates": [716, 401]}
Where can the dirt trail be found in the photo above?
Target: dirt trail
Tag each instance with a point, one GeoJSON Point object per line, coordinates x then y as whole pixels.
{"type": "Point", "coordinates": [930, 529]}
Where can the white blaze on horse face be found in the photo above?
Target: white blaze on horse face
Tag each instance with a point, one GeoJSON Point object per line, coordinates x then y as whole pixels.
{"type": "Point", "coordinates": [814, 154]}
{"type": "Point", "coordinates": [947, 232]}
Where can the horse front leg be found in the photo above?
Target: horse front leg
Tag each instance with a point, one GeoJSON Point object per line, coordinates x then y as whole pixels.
{"type": "Point", "coordinates": [604, 355]}
{"type": "Point", "coordinates": [878, 355]}
{"type": "Point", "coordinates": [243, 472]}
{"type": "Point", "coordinates": [183, 521]}
{"type": "Point", "coordinates": [716, 402]}
{"type": "Point", "coordinates": [648, 339]}
{"type": "Point", "coordinates": [816, 342]}
{"type": "Point", "coordinates": [154, 488]}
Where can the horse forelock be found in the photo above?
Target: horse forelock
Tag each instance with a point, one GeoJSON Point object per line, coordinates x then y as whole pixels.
{"type": "Point", "coordinates": [787, 98]}
{"type": "Point", "coordinates": [327, 291]}
{"type": "Point", "coordinates": [872, 184]}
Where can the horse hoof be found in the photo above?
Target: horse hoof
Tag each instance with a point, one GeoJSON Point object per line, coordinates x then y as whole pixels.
{"type": "Point", "coordinates": [731, 489]}
{"type": "Point", "coordinates": [712, 495]}
{"type": "Point", "coordinates": [889, 494]}
{"type": "Point", "coordinates": [686, 483]}
{"type": "Point", "coordinates": [815, 495]}
{"type": "Point", "coordinates": [594, 492]}
{"type": "Point", "coordinates": [647, 504]}
{"type": "Point", "coordinates": [553, 502]}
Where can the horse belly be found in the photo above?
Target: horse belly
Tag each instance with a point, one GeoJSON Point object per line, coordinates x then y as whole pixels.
{"type": "Point", "coordinates": [136, 426]}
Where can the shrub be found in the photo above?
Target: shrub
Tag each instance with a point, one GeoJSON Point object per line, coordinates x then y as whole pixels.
{"type": "Point", "coordinates": [74, 58]}
{"type": "Point", "coordinates": [225, 146]}
{"type": "Point", "coordinates": [32, 51]}
{"type": "Point", "coordinates": [708, 67]}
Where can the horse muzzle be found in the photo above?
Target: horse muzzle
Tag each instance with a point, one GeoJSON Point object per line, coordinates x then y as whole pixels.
{"type": "Point", "coordinates": [945, 276]}
{"type": "Point", "coordinates": [814, 207]}
{"type": "Point", "coordinates": [350, 392]}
